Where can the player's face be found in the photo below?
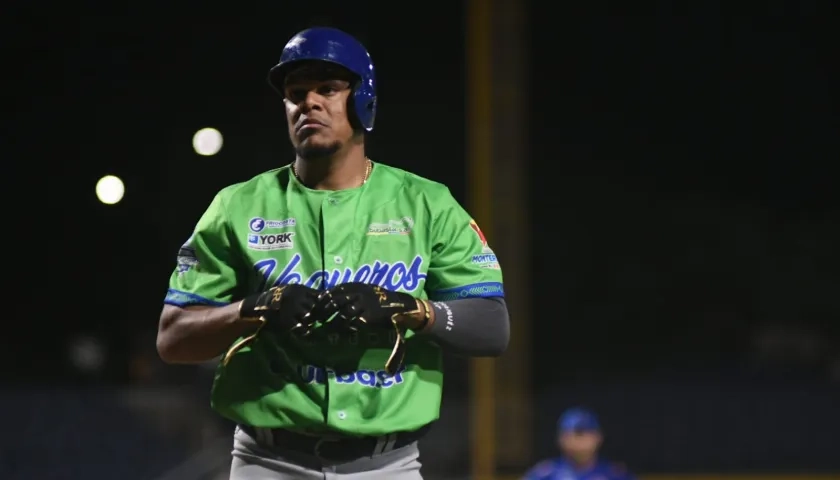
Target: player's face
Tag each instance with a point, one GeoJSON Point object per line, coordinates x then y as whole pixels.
{"type": "Point", "coordinates": [581, 446]}
{"type": "Point", "coordinates": [316, 99]}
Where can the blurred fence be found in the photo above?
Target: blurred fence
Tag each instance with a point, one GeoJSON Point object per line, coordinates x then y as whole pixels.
{"type": "Point", "coordinates": [660, 429]}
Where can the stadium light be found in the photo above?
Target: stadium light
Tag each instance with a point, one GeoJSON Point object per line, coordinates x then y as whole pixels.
{"type": "Point", "coordinates": [87, 354]}
{"type": "Point", "coordinates": [110, 189]}
{"type": "Point", "coordinates": [207, 141]}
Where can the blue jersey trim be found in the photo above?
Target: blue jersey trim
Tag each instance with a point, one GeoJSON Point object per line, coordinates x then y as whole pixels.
{"type": "Point", "coordinates": [185, 299]}
{"type": "Point", "coordinates": [473, 290]}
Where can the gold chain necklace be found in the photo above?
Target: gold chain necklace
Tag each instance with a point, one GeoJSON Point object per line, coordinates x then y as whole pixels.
{"type": "Point", "coordinates": [368, 169]}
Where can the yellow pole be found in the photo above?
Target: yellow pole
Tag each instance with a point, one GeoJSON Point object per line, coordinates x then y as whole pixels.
{"type": "Point", "coordinates": [480, 134]}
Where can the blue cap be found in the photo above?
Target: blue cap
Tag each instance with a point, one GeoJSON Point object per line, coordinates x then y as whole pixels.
{"type": "Point", "coordinates": [579, 420]}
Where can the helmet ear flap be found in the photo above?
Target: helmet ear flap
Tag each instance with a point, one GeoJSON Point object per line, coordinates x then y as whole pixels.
{"type": "Point", "coordinates": [275, 79]}
{"type": "Point", "coordinates": [367, 111]}
{"type": "Point", "coordinates": [353, 116]}
{"type": "Point", "coordinates": [361, 108]}
{"type": "Point", "coordinates": [371, 107]}
{"type": "Point", "coordinates": [364, 103]}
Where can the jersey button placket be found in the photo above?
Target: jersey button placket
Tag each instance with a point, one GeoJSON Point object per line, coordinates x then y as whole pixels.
{"type": "Point", "coordinates": [328, 213]}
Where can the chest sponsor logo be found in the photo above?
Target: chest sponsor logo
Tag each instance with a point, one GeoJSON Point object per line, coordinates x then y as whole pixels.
{"type": "Point", "coordinates": [402, 226]}
{"type": "Point", "coordinates": [406, 277]}
{"type": "Point", "coordinates": [365, 378]}
{"type": "Point", "coordinates": [258, 224]}
{"type": "Point", "coordinates": [271, 241]}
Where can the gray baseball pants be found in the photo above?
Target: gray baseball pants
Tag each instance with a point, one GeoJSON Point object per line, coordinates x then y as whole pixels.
{"type": "Point", "coordinates": [256, 460]}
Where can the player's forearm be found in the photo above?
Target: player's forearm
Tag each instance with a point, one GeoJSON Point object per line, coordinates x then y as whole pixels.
{"type": "Point", "coordinates": [199, 334]}
{"type": "Point", "coordinates": [475, 327]}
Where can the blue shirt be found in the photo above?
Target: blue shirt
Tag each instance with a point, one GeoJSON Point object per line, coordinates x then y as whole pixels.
{"type": "Point", "coordinates": [560, 469]}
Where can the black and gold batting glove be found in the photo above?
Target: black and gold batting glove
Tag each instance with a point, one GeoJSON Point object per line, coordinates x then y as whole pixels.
{"type": "Point", "coordinates": [283, 309]}
{"type": "Point", "coordinates": [360, 305]}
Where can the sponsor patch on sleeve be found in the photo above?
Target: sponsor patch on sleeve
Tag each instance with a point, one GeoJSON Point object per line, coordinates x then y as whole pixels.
{"type": "Point", "coordinates": [187, 258]}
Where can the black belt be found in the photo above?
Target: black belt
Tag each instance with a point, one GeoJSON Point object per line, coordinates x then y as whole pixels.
{"type": "Point", "coordinates": [334, 448]}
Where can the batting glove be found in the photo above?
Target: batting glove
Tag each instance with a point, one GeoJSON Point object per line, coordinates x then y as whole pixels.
{"type": "Point", "coordinates": [371, 306]}
{"type": "Point", "coordinates": [281, 310]}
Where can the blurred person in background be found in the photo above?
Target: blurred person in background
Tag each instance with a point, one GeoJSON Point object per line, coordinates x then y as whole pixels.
{"type": "Point", "coordinates": [579, 439]}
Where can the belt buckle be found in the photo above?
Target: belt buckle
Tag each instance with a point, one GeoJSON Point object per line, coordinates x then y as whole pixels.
{"type": "Point", "coordinates": [320, 443]}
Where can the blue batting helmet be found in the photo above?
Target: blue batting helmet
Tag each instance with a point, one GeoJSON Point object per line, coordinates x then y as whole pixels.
{"type": "Point", "coordinates": [334, 46]}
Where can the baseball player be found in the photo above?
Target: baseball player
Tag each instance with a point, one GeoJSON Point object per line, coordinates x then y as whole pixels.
{"type": "Point", "coordinates": [330, 288]}
{"type": "Point", "coordinates": [579, 439]}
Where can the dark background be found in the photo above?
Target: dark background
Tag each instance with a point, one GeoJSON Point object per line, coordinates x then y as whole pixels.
{"type": "Point", "coordinates": [684, 196]}
{"type": "Point", "coordinates": [695, 194]}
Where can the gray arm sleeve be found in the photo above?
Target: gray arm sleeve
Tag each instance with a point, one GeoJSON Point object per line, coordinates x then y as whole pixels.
{"type": "Point", "coordinates": [474, 327]}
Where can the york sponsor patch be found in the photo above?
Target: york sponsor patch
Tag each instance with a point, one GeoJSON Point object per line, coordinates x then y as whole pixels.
{"type": "Point", "coordinates": [365, 378]}
{"type": "Point", "coordinates": [271, 241]}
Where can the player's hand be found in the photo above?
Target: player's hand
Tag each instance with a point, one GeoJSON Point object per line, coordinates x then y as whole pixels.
{"type": "Point", "coordinates": [361, 305]}
{"type": "Point", "coordinates": [358, 305]}
{"type": "Point", "coordinates": [283, 309]}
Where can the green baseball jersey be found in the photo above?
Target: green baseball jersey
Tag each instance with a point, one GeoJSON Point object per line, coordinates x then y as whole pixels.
{"type": "Point", "coordinates": [398, 230]}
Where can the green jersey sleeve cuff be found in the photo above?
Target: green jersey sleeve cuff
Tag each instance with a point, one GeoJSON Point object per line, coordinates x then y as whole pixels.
{"type": "Point", "coordinates": [473, 290]}
{"type": "Point", "coordinates": [186, 299]}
